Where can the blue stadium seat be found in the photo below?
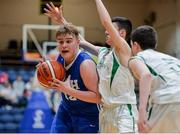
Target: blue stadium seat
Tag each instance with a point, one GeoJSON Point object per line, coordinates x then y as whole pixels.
{"type": "Point", "coordinates": [12, 73]}
{"type": "Point", "coordinates": [11, 128]}
{"type": "Point", "coordinates": [16, 110]}
{"type": "Point", "coordinates": [26, 77]}
{"type": "Point", "coordinates": [2, 127]}
{"type": "Point", "coordinates": [2, 111]}
{"type": "Point", "coordinates": [5, 118]}
{"type": "Point", "coordinates": [31, 73]}
{"type": "Point", "coordinates": [10, 119]}
{"type": "Point", "coordinates": [26, 74]}
{"type": "Point", "coordinates": [22, 72]}
{"type": "Point", "coordinates": [18, 118]}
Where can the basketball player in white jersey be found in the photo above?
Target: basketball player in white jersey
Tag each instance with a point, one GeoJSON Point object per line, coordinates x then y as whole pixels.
{"type": "Point", "coordinates": [116, 85]}
{"type": "Point", "coordinates": [164, 105]}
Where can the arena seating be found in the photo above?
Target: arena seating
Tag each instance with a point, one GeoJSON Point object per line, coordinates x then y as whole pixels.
{"type": "Point", "coordinates": [14, 72]}
{"type": "Point", "coordinates": [10, 119]}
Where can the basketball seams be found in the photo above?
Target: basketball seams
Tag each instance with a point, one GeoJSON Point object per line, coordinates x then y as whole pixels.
{"type": "Point", "coordinates": [42, 80]}
{"type": "Point", "coordinates": [42, 74]}
{"type": "Point", "coordinates": [59, 67]}
{"type": "Point", "coordinates": [51, 69]}
{"type": "Point", "coordinates": [62, 71]}
{"type": "Point", "coordinates": [54, 68]}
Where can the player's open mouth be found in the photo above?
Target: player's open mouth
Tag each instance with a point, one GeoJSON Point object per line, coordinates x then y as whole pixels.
{"type": "Point", "coordinates": [65, 51]}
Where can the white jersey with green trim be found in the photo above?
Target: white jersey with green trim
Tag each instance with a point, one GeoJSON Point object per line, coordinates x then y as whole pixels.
{"type": "Point", "coordinates": [116, 83]}
{"type": "Point", "coordinates": [166, 72]}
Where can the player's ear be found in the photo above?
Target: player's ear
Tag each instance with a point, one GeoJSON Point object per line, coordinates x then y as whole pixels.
{"type": "Point", "coordinates": [136, 46]}
{"type": "Point", "coordinates": [123, 33]}
{"type": "Point", "coordinates": [78, 41]}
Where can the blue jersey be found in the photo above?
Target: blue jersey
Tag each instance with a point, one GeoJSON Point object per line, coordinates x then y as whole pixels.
{"type": "Point", "coordinates": [70, 103]}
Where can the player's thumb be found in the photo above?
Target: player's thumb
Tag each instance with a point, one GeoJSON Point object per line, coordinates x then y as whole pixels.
{"type": "Point", "coordinates": [68, 78]}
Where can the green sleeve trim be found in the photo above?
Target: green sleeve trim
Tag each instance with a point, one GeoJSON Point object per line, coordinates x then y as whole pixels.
{"type": "Point", "coordinates": [102, 49]}
{"type": "Point", "coordinates": [135, 57]}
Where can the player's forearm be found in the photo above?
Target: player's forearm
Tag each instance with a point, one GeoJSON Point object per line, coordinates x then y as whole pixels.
{"type": "Point", "coordinates": [103, 13]}
{"type": "Point", "coordinates": [87, 96]}
{"type": "Point", "coordinates": [62, 21]}
{"type": "Point", "coordinates": [118, 42]}
{"type": "Point", "coordinates": [144, 88]}
{"type": "Point", "coordinates": [90, 47]}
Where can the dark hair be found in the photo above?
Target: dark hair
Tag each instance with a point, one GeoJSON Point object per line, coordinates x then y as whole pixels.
{"type": "Point", "coordinates": [145, 36]}
{"type": "Point", "coordinates": [124, 23]}
{"type": "Point", "coordinates": [68, 29]}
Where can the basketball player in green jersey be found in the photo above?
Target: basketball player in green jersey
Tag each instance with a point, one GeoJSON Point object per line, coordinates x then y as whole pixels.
{"type": "Point", "coordinates": [164, 114]}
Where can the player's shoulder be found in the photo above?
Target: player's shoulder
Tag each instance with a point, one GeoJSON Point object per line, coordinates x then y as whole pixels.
{"type": "Point", "coordinates": [84, 55]}
{"type": "Point", "coordinates": [85, 59]}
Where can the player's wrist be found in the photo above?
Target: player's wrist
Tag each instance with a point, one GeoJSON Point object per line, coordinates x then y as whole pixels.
{"type": "Point", "coordinates": [142, 109]}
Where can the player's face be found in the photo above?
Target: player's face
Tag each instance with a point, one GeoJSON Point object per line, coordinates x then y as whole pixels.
{"type": "Point", "coordinates": [108, 38]}
{"type": "Point", "coordinates": [68, 47]}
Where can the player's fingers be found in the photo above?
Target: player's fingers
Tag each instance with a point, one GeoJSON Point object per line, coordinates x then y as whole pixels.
{"type": "Point", "coordinates": [40, 62]}
{"type": "Point", "coordinates": [69, 77]}
{"type": "Point", "coordinates": [52, 5]}
{"type": "Point", "coordinates": [56, 81]}
{"type": "Point", "coordinates": [52, 84]}
{"type": "Point", "coordinates": [48, 15]}
{"type": "Point", "coordinates": [47, 11]}
{"type": "Point", "coordinates": [38, 65]}
{"type": "Point", "coordinates": [49, 7]}
{"type": "Point", "coordinates": [140, 126]}
{"type": "Point", "coordinates": [60, 8]}
{"type": "Point", "coordinates": [144, 128]}
{"type": "Point", "coordinates": [44, 58]}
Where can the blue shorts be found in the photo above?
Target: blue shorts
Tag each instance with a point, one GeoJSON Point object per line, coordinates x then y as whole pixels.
{"type": "Point", "coordinates": [65, 122]}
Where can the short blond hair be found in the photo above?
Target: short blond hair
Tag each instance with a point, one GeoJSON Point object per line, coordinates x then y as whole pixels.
{"type": "Point", "coordinates": [68, 29]}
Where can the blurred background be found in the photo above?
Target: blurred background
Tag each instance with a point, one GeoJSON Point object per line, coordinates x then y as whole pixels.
{"type": "Point", "coordinates": [24, 31]}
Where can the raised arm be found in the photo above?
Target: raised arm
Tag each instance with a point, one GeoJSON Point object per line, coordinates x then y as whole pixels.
{"type": "Point", "coordinates": [56, 16]}
{"type": "Point", "coordinates": [121, 46]}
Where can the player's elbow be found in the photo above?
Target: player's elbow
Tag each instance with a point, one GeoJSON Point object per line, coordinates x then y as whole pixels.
{"type": "Point", "coordinates": [98, 99]}
{"type": "Point", "coordinates": [147, 76]}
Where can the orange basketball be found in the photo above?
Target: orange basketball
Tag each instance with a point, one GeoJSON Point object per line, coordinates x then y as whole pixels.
{"type": "Point", "coordinates": [49, 70]}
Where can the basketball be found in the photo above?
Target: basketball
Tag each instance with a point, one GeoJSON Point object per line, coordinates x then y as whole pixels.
{"type": "Point", "coordinates": [48, 70]}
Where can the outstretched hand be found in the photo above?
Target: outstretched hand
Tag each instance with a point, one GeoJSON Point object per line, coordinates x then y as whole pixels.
{"type": "Point", "coordinates": [54, 13]}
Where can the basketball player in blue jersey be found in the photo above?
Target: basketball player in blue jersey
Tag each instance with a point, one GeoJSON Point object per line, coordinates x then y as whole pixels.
{"type": "Point", "coordinates": [78, 111]}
